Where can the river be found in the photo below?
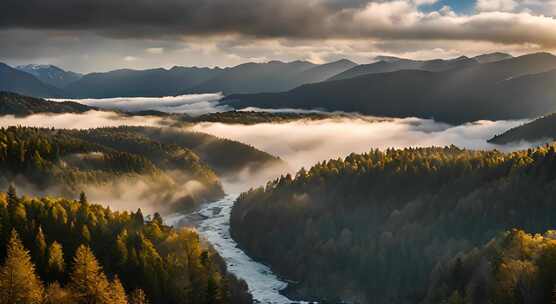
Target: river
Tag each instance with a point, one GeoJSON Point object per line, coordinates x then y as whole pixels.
{"type": "Point", "coordinates": [213, 223]}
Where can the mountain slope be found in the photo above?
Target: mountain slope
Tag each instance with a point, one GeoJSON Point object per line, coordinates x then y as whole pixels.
{"type": "Point", "coordinates": [273, 76]}
{"type": "Point", "coordinates": [397, 64]}
{"type": "Point", "coordinates": [139, 83]}
{"type": "Point", "coordinates": [166, 263]}
{"type": "Point", "coordinates": [50, 74]}
{"type": "Point", "coordinates": [65, 162]}
{"type": "Point", "coordinates": [19, 105]}
{"type": "Point", "coordinates": [492, 57]}
{"type": "Point", "coordinates": [498, 90]}
{"type": "Point", "coordinates": [539, 130]}
{"type": "Point", "coordinates": [13, 80]}
{"type": "Point", "coordinates": [373, 227]}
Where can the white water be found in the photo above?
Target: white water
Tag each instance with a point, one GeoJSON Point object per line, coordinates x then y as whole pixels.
{"type": "Point", "coordinates": [215, 227]}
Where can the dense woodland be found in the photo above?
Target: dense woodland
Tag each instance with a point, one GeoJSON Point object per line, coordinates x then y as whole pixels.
{"type": "Point", "coordinates": [540, 130]}
{"type": "Point", "coordinates": [257, 117]}
{"type": "Point", "coordinates": [372, 227]}
{"type": "Point", "coordinates": [67, 161]}
{"type": "Point", "coordinates": [515, 267]}
{"type": "Point", "coordinates": [18, 105]}
{"type": "Point", "coordinates": [65, 251]}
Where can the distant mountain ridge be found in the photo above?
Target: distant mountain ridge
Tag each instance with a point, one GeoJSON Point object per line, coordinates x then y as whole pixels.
{"type": "Point", "coordinates": [273, 76]}
{"type": "Point", "coordinates": [520, 87]}
{"type": "Point", "coordinates": [50, 74]}
{"type": "Point", "coordinates": [140, 83]}
{"type": "Point", "coordinates": [386, 64]}
{"type": "Point", "coordinates": [14, 80]}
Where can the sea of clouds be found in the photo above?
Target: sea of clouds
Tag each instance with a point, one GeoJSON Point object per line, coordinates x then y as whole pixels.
{"type": "Point", "coordinates": [192, 104]}
{"type": "Point", "coordinates": [305, 142]}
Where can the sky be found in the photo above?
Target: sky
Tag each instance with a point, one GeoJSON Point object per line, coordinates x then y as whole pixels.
{"type": "Point", "coordinates": [101, 35]}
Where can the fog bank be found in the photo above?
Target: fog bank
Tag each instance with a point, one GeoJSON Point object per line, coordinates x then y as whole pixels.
{"type": "Point", "coordinates": [87, 120]}
{"type": "Point", "coordinates": [303, 143]}
{"type": "Point", "coordinates": [192, 104]}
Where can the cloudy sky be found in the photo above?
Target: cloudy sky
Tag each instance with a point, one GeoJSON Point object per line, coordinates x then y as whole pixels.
{"type": "Point", "coordinates": [100, 35]}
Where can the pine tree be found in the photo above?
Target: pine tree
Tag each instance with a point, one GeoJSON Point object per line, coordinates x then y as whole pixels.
{"type": "Point", "coordinates": [40, 248]}
{"type": "Point", "coordinates": [87, 281]}
{"type": "Point", "coordinates": [19, 283]}
{"type": "Point", "coordinates": [138, 296]}
{"type": "Point", "coordinates": [117, 292]}
{"type": "Point", "coordinates": [83, 198]}
{"type": "Point", "coordinates": [55, 294]}
{"type": "Point", "coordinates": [12, 195]}
{"type": "Point", "coordinates": [55, 264]}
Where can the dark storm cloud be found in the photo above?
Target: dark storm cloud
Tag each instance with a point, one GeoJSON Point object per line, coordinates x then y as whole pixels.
{"type": "Point", "coordinates": [135, 18]}
{"type": "Point", "coordinates": [293, 19]}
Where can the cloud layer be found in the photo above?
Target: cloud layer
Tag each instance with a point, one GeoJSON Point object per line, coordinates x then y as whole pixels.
{"type": "Point", "coordinates": [303, 143]}
{"type": "Point", "coordinates": [193, 104]}
{"type": "Point", "coordinates": [91, 119]}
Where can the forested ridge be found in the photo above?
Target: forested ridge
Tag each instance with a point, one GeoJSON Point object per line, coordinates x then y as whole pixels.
{"type": "Point", "coordinates": [515, 267]}
{"type": "Point", "coordinates": [224, 156]}
{"type": "Point", "coordinates": [541, 130]}
{"type": "Point", "coordinates": [257, 117]}
{"type": "Point", "coordinates": [19, 105]}
{"type": "Point", "coordinates": [66, 161]}
{"type": "Point", "coordinates": [66, 251]}
{"type": "Point", "coordinates": [371, 228]}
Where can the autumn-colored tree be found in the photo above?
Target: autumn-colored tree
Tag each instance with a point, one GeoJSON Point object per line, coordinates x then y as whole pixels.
{"type": "Point", "coordinates": [40, 247]}
{"type": "Point", "coordinates": [19, 283]}
{"type": "Point", "coordinates": [87, 280]}
{"type": "Point", "coordinates": [117, 292]}
{"type": "Point", "coordinates": [55, 263]}
{"type": "Point", "coordinates": [138, 296]}
{"type": "Point", "coordinates": [55, 294]}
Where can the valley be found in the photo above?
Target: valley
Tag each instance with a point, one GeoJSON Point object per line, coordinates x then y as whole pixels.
{"type": "Point", "coordinates": [312, 191]}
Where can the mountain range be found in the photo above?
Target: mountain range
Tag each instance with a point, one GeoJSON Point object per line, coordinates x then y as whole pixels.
{"type": "Point", "coordinates": [50, 74]}
{"type": "Point", "coordinates": [14, 80]}
{"type": "Point", "coordinates": [512, 88]}
{"type": "Point", "coordinates": [491, 86]}
{"type": "Point", "coordinates": [273, 76]}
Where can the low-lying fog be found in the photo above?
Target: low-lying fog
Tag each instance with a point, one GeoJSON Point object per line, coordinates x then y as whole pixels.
{"type": "Point", "coordinates": [303, 143]}
{"type": "Point", "coordinates": [193, 104]}
{"type": "Point", "coordinates": [299, 143]}
{"type": "Point", "coordinates": [87, 120]}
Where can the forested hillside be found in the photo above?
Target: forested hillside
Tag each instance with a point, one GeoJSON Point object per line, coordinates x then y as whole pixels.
{"type": "Point", "coordinates": [539, 130]}
{"type": "Point", "coordinates": [515, 267]}
{"type": "Point", "coordinates": [256, 117]}
{"type": "Point", "coordinates": [372, 227]}
{"type": "Point", "coordinates": [59, 251]}
{"type": "Point", "coordinates": [67, 161]}
{"type": "Point", "coordinates": [224, 156]}
{"type": "Point", "coordinates": [19, 105]}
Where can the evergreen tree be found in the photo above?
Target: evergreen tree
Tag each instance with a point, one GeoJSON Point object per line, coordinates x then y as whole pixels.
{"type": "Point", "coordinates": [12, 195]}
{"type": "Point", "coordinates": [138, 296]}
{"type": "Point", "coordinates": [87, 281]}
{"type": "Point", "coordinates": [55, 294]}
{"type": "Point", "coordinates": [18, 282]}
{"type": "Point", "coordinates": [55, 263]}
{"type": "Point", "coordinates": [83, 198]}
{"type": "Point", "coordinates": [117, 292]}
{"type": "Point", "coordinates": [40, 247]}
